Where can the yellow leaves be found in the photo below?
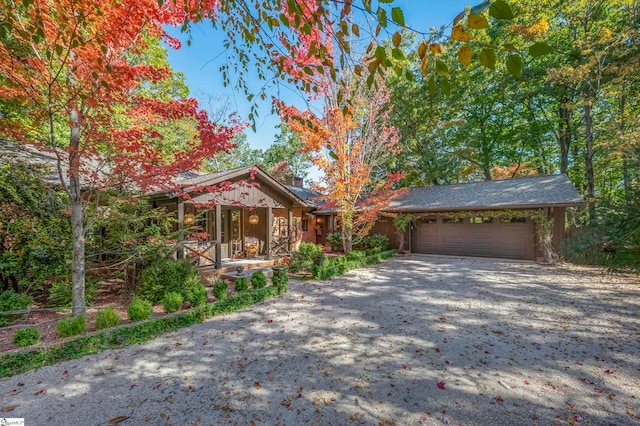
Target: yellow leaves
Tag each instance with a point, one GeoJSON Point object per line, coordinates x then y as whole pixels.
{"type": "Point", "coordinates": [436, 48]}
{"type": "Point", "coordinates": [537, 29]}
{"type": "Point", "coordinates": [424, 66]}
{"type": "Point", "coordinates": [422, 49]}
{"type": "Point", "coordinates": [477, 22]}
{"type": "Point", "coordinates": [458, 33]}
{"type": "Point", "coordinates": [464, 55]}
{"type": "Point", "coordinates": [396, 39]}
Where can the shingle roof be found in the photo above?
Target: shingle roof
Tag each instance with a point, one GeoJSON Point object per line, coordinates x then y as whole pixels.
{"type": "Point", "coordinates": [538, 191]}
{"type": "Point", "coordinates": [310, 197]}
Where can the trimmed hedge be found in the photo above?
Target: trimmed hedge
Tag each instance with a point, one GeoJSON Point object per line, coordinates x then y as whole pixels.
{"type": "Point", "coordinates": [20, 362]}
{"type": "Point", "coordinates": [341, 264]}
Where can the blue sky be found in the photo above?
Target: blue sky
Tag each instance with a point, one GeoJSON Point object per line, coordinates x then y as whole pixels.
{"type": "Point", "coordinates": [200, 62]}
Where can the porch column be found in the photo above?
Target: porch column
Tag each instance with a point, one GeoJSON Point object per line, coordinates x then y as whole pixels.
{"type": "Point", "coordinates": [218, 236]}
{"type": "Point", "coordinates": [269, 231]}
{"type": "Point", "coordinates": [180, 253]}
{"type": "Point", "coordinates": [290, 230]}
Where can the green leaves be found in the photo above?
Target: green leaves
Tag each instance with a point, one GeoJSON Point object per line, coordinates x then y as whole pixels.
{"type": "Point", "coordinates": [540, 49]}
{"type": "Point", "coordinates": [382, 17]}
{"type": "Point", "coordinates": [514, 65]}
{"type": "Point", "coordinates": [488, 58]}
{"type": "Point", "coordinates": [501, 10]}
{"type": "Point", "coordinates": [397, 16]}
{"type": "Point", "coordinates": [442, 69]}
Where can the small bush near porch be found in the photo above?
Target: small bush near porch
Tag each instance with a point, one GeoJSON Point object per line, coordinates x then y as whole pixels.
{"type": "Point", "coordinates": [166, 276]}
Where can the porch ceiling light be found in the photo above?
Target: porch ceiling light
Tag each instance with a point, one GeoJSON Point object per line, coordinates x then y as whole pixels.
{"type": "Point", "coordinates": [253, 219]}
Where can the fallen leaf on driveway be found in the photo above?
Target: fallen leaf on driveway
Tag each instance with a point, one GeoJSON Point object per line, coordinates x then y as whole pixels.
{"type": "Point", "coordinates": [41, 392]}
{"type": "Point", "coordinates": [8, 408]}
{"type": "Point", "coordinates": [499, 399]}
{"type": "Point", "coordinates": [440, 384]}
{"type": "Point", "coordinates": [118, 419]}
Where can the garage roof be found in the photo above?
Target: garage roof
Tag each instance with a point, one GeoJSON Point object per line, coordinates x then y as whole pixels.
{"type": "Point", "coordinates": [527, 192]}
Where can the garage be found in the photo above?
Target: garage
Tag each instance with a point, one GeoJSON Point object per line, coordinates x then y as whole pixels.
{"type": "Point", "coordinates": [487, 219]}
{"type": "Point", "coordinates": [512, 238]}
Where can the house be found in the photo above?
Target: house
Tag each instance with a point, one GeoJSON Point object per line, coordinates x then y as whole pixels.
{"type": "Point", "coordinates": [501, 218]}
{"type": "Point", "coordinates": [245, 212]}
{"type": "Point", "coordinates": [238, 213]}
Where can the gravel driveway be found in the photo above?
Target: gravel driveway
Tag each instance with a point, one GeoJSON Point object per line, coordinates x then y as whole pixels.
{"type": "Point", "coordinates": [415, 340]}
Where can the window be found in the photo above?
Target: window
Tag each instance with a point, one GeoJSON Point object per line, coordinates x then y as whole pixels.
{"type": "Point", "coordinates": [431, 220]}
{"type": "Point", "coordinates": [305, 225]}
{"type": "Point", "coordinates": [451, 220]}
{"type": "Point", "coordinates": [480, 220]}
{"type": "Point", "coordinates": [513, 220]}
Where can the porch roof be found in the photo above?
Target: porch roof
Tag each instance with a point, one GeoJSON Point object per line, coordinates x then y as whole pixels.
{"type": "Point", "coordinates": [240, 188]}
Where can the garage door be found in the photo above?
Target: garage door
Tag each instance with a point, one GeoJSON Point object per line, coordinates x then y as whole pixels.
{"type": "Point", "coordinates": [509, 238]}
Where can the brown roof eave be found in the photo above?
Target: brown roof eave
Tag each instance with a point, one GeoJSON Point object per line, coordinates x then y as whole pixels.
{"type": "Point", "coordinates": [482, 208]}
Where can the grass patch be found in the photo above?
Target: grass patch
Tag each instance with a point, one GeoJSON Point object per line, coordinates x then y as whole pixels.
{"type": "Point", "coordinates": [20, 362]}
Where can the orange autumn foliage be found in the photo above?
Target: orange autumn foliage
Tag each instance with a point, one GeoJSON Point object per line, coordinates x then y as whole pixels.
{"type": "Point", "coordinates": [351, 144]}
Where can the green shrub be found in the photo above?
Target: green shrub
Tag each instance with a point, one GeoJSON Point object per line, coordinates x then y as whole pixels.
{"type": "Point", "coordinates": [258, 280]}
{"type": "Point", "coordinates": [297, 263]}
{"type": "Point", "coordinates": [139, 309]}
{"type": "Point", "coordinates": [107, 318]}
{"type": "Point", "coordinates": [375, 241]}
{"type": "Point", "coordinates": [197, 295]}
{"type": "Point", "coordinates": [71, 326]}
{"type": "Point", "coordinates": [305, 257]}
{"type": "Point", "coordinates": [166, 276]}
{"type": "Point", "coordinates": [61, 292]}
{"type": "Point", "coordinates": [342, 264]}
{"type": "Point", "coordinates": [280, 279]}
{"type": "Point", "coordinates": [26, 337]}
{"type": "Point", "coordinates": [220, 289]}
{"type": "Point", "coordinates": [334, 239]}
{"type": "Point", "coordinates": [13, 363]}
{"type": "Point", "coordinates": [172, 302]}
{"type": "Point", "coordinates": [310, 251]}
{"type": "Point", "coordinates": [241, 285]}
{"type": "Point", "coordinates": [12, 301]}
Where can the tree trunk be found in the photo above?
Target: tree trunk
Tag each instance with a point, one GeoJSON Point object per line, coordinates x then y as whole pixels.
{"type": "Point", "coordinates": [588, 157]}
{"type": "Point", "coordinates": [565, 133]}
{"type": "Point", "coordinates": [77, 217]}
{"type": "Point", "coordinates": [347, 235]}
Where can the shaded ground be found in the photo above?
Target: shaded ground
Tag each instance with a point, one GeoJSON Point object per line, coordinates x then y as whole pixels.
{"type": "Point", "coordinates": [415, 340]}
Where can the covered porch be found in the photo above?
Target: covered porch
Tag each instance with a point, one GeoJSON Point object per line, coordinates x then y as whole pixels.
{"type": "Point", "coordinates": [250, 220]}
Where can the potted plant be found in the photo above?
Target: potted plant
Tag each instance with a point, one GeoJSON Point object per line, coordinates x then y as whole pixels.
{"type": "Point", "coordinates": [401, 222]}
{"type": "Point", "coordinates": [252, 250]}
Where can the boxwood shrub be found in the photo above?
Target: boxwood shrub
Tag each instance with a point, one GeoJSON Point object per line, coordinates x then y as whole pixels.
{"type": "Point", "coordinates": [26, 337]}
{"type": "Point", "coordinates": [107, 318]}
{"type": "Point", "coordinates": [71, 326]}
{"type": "Point", "coordinates": [139, 309]}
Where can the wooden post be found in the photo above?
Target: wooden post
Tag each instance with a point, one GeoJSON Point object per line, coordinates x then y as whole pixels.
{"type": "Point", "coordinates": [269, 235]}
{"type": "Point", "coordinates": [290, 247]}
{"type": "Point", "coordinates": [218, 236]}
{"type": "Point", "coordinates": [180, 254]}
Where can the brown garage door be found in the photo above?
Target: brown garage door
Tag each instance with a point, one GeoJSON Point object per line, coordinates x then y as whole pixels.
{"type": "Point", "coordinates": [476, 236]}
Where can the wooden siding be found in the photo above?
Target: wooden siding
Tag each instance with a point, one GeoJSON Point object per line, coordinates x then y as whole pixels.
{"type": "Point", "coordinates": [247, 196]}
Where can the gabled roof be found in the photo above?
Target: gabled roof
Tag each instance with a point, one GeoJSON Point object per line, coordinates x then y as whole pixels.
{"type": "Point", "coordinates": [194, 183]}
{"type": "Point", "coordinates": [526, 192]}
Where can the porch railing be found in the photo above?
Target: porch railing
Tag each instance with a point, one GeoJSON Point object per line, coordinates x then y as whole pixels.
{"type": "Point", "coordinates": [201, 252]}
